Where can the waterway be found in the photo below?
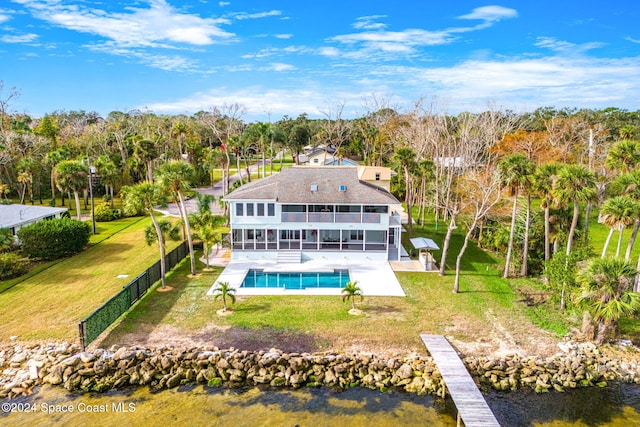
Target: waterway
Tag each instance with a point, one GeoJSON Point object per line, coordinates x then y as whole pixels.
{"type": "Point", "coordinates": [616, 405]}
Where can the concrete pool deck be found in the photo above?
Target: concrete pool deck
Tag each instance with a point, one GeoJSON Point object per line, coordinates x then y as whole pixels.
{"type": "Point", "coordinates": [375, 278]}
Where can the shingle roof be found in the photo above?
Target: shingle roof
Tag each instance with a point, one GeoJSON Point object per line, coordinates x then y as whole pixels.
{"type": "Point", "coordinates": [293, 185]}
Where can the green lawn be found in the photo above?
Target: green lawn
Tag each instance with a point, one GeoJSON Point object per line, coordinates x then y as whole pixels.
{"type": "Point", "coordinates": [49, 303]}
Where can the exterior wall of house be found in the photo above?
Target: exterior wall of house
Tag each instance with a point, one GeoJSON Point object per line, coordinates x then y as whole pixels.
{"type": "Point", "coordinates": [260, 229]}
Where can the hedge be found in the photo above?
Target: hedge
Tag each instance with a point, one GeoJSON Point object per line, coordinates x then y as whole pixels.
{"type": "Point", "coordinates": [54, 238]}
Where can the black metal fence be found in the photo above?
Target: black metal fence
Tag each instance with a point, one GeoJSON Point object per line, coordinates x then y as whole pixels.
{"type": "Point", "coordinates": [98, 321]}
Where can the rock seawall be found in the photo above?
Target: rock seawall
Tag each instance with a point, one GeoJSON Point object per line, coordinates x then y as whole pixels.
{"type": "Point", "coordinates": [24, 367]}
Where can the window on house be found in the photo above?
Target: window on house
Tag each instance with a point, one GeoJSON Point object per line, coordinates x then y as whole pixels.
{"type": "Point", "coordinates": [271, 209]}
{"type": "Point", "coordinates": [239, 209]}
{"type": "Point", "coordinates": [375, 209]}
{"type": "Point", "coordinates": [356, 235]}
{"type": "Point", "coordinates": [378, 176]}
{"type": "Point", "coordinates": [249, 209]}
{"type": "Point", "coordinates": [315, 160]}
{"type": "Point", "coordinates": [260, 209]}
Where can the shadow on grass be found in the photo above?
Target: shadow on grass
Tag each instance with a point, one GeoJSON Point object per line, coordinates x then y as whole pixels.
{"type": "Point", "coordinates": [264, 339]}
{"type": "Point", "coordinates": [382, 309]}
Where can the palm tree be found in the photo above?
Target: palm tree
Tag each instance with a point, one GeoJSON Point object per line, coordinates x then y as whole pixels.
{"type": "Point", "coordinates": [169, 231]}
{"type": "Point", "coordinates": [350, 291]}
{"type": "Point", "coordinates": [576, 184]}
{"type": "Point", "coordinates": [71, 175]}
{"type": "Point", "coordinates": [629, 185]}
{"type": "Point", "coordinates": [405, 159]}
{"type": "Point", "coordinates": [624, 155]}
{"type": "Point", "coordinates": [543, 186]}
{"type": "Point", "coordinates": [607, 293]}
{"type": "Point", "coordinates": [516, 172]}
{"type": "Point", "coordinates": [224, 290]}
{"type": "Point", "coordinates": [206, 225]}
{"type": "Point", "coordinates": [175, 176]}
{"type": "Point", "coordinates": [617, 213]}
{"type": "Point", "coordinates": [141, 198]}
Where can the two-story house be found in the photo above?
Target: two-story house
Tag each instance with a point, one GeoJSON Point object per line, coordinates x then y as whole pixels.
{"type": "Point", "coordinates": [313, 213]}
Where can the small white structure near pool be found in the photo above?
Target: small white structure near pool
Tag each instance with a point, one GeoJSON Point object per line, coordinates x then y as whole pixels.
{"type": "Point", "coordinates": [375, 278]}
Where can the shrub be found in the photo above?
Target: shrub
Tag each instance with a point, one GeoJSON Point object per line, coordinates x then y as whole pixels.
{"type": "Point", "coordinates": [104, 213]}
{"type": "Point", "coordinates": [12, 265]}
{"type": "Point", "coordinates": [54, 238]}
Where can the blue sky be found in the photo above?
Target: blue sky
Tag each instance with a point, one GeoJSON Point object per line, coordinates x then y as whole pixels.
{"type": "Point", "coordinates": [282, 57]}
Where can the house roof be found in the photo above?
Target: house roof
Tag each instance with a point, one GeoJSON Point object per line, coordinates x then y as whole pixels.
{"type": "Point", "coordinates": [13, 215]}
{"type": "Point", "coordinates": [294, 185]}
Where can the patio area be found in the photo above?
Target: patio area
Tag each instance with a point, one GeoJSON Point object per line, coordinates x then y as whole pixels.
{"type": "Point", "coordinates": [374, 278]}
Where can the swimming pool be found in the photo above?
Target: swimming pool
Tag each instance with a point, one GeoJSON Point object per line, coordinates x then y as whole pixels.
{"type": "Point", "coordinates": [295, 280]}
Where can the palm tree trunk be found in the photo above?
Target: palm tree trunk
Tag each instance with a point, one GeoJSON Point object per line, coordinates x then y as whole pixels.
{"type": "Point", "coordinates": [574, 224]}
{"type": "Point", "coordinates": [407, 197]}
{"type": "Point", "coordinates": [206, 249]}
{"type": "Point", "coordinates": [619, 240]}
{"type": "Point", "coordinates": [606, 243]}
{"type": "Point", "coordinates": [238, 167]}
{"type": "Point", "coordinates": [632, 239]}
{"type": "Point", "coordinates": [77, 197]}
{"type": "Point", "coordinates": [524, 270]}
{"type": "Point", "coordinates": [507, 264]}
{"type": "Point", "coordinates": [547, 235]}
{"type": "Point", "coordinates": [586, 223]}
{"type": "Point", "coordinates": [163, 267]}
{"type": "Point", "coordinates": [185, 217]}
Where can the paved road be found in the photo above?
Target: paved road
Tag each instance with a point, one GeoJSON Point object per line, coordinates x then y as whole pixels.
{"type": "Point", "coordinates": [216, 191]}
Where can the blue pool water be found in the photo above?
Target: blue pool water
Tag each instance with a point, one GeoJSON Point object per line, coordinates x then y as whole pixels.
{"type": "Point", "coordinates": [296, 280]}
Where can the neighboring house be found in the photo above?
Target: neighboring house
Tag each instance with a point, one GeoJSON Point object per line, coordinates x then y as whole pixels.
{"type": "Point", "coordinates": [321, 156]}
{"type": "Point", "coordinates": [314, 212]}
{"type": "Point", "coordinates": [14, 217]}
{"type": "Point", "coordinates": [376, 175]}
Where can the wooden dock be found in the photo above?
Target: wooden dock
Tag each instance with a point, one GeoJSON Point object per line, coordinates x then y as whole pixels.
{"type": "Point", "coordinates": [472, 407]}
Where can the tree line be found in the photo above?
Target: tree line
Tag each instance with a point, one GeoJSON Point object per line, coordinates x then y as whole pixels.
{"type": "Point", "coordinates": [521, 184]}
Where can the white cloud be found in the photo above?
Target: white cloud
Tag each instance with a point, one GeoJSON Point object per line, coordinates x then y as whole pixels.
{"type": "Point", "coordinates": [4, 17]}
{"type": "Point", "coordinates": [283, 36]}
{"type": "Point", "coordinates": [547, 81]}
{"type": "Point", "coordinates": [565, 46]}
{"type": "Point", "coordinates": [490, 13]}
{"type": "Point", "coordinates": [279, 66]}
{"type": "Point", "coordinates": [163, 62]}
{"type": "Point", "coordinates": [329, 51]}
{"type": "Point", "coordinates": [632, 40]}
{"type": "Point", "coordinates": [158, 24]}
{"type": "Point", "coordinates": [224, 3]}
{"type": "Point", "coordinates": [375, 39]}
{"type": "Point", "coordinates": [243, 15]}
{"type": "Point", "coordinates": [24, 38]}
{"type": "Point", "coordinates": [368, 23]}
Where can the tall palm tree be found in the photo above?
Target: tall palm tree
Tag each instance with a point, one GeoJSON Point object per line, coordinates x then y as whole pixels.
{"type": "Point", "coordinates": [617, 213]}
{"type": "Point", "coordinates": [629, 185]}
{"type": "Point", "coordinates": [141, 198]}
{"type": "Point", "coordinates": [350, 291]}
{"type": "Point", "coordinates": [405, 159]}
{"type": "Point", "coordinates": [224, 290]}
{"type": "Point", "coordinates": [175, 176]}
{"type": "Point", "coordinates": [516, 172]}
{"type": "Point", "coordinates": [607, 293]}
{"type": "Point", "coordinates": [72, 175]}
{"type": "Point", "coordinates": [543, 185]}
{"type": "Point", "coordinates": [575, 184]}
{"type": "Point", "coordinates": [206, 225]}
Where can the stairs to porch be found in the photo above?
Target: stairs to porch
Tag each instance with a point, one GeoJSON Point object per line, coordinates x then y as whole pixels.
{"type": "Point", "coordinates": [289, 257]}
